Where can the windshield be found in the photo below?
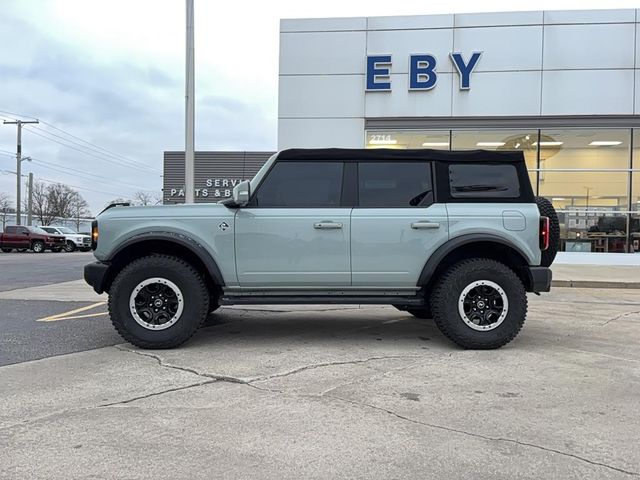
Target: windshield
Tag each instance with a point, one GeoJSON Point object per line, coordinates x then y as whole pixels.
{"type": "Point", "coordinates": [66, 230]}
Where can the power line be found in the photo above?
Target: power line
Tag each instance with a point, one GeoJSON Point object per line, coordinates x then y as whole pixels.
{"type": "Point", "coordinates": [82, 188]}
{"type": "Point", "coordinates": [145, 169]}
{"type": "Point", "coordinates": [97, 146]}
{"type": "Point", "coordinates": [75, 172]}
{"type": "Point", "coordinates": [111, 156]}
{"type": "Point", "coordinates": [125, 161]}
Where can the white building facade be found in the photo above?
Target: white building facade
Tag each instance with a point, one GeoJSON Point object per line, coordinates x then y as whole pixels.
{"type": "Point", "coordinates": [562, 86]}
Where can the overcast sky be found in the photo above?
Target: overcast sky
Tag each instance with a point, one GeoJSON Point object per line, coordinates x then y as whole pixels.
{"type": "Point", "coordinates": [112, 73]}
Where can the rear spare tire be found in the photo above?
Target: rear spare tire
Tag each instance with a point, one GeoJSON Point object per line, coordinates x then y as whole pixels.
{"type": "Point", "coordinates": [545, 207]}
{"type": "Point", "coordinates": [479, 303]}
{"type": "Point", "coordinates": [158, 301]}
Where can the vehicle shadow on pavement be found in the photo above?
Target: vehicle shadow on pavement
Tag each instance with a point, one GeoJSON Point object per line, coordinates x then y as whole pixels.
{"type": "Point", "coordinates": [319, 327]}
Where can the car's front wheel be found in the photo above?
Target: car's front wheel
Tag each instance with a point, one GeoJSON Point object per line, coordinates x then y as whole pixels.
{"type": "Point", "coordinates": [38, 246]}
{"type": "Point", "coordinates": [479, 303]}
{"type": "Point", "coordinates": [158, 301]}
{"type": "Point", "coordinates": [69, 246]}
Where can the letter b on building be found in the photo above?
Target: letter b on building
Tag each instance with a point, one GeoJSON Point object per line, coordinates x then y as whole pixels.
{"type": "Point", "coordinates": [422, 72]}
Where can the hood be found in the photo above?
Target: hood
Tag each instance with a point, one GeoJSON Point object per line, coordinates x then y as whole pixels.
{"type": "Point", "coordinates": [164, 211]}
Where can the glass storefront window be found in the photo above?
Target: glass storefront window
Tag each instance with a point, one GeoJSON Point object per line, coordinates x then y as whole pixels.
{"type": "Point", "coordinates": [585, 149]}
{"type": "Point", "coordinates": [586, 173]}
{"type": "Point", "coordinates": [435, 139]}
{"type": "Point", "coordinates": [524, 140]}
{"type": "Point", "coordinates": [635, 173]}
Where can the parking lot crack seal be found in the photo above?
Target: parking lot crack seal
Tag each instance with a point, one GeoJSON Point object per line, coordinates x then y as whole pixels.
{"type": "Point", "coordinates": [484, 437]}
{"type": "Point", "coordinates": [155, 394]}
{"type": "Point", "coordinates": [618, 317]}
{"type": "Point", "coordinates": [326, 364]}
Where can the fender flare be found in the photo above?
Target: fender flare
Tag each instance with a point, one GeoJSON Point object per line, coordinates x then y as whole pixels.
{"type": "Point", "coordinates": [183, 240]}
{"type": "Point", "coordinates": [443, 250]}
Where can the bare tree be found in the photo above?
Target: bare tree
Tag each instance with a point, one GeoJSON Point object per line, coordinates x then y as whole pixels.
{"type": "Point", "coordinates": [79, 209]}
{"type": "Point", "coordinates": [40, 203]}
{"type": "Point", "coordinates": [5, 206]}
{"type": "Point", "coordinates": [60, 199]}
{"type": "Point", "coordinates": [143, 198]}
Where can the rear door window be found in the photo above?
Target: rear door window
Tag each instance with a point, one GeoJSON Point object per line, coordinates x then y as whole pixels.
{"type": "Point", "coordinates": [394, 184]}
{"type": "Point", "coordinates": [471, 180]}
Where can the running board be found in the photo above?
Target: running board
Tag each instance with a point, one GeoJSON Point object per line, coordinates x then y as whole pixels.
{"type": "Point", "coordinates": [409, 301]}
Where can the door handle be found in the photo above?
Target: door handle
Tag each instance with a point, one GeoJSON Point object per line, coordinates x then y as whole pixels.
{"type": "Point", "coordinates": [424, 225]}
{"type": "Point", "coordinates": [327, 226]}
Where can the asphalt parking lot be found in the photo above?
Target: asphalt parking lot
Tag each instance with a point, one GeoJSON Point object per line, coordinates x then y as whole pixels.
{"type": "Point", "coordinates": [314, 392]}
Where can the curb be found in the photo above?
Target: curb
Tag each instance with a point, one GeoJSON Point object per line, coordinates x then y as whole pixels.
{"type": "Point", "coordinates": [594, 284]}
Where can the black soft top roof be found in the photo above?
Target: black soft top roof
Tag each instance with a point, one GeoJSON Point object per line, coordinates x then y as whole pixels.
{"type": "Point", "coordinates": [398, 154]}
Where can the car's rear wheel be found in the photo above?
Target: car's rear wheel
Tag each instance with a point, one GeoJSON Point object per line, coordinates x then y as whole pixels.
{"type": "Point", "coordinates": [7, 250]}
{"type": "Point", "coordinates": [37, 246]}
{"type": "Point", "coordinates": [158, 301]}
{"type": "Point", "coordinates": [69, 246]}
{"type": "Point", "coordinates": [479, 303]}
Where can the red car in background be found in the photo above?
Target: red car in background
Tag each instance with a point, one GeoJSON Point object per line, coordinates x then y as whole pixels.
{"type": "Point", "coordinates": [24, 238]}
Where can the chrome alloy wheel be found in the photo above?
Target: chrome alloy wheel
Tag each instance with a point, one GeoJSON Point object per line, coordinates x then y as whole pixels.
{"type": "Point", "coordinates": [156, 303]}
{"type": "Point", "coordinates": [483, 305]}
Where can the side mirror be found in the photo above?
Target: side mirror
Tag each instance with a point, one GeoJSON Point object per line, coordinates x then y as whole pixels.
{"type": "Point", "coordinates": [242, 193]}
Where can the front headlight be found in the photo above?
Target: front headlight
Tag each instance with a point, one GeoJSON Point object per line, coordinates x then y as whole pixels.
{"type": "Point", "coordinates": [79, 239]}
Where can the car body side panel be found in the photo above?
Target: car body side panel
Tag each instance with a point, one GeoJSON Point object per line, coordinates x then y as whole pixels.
{"type": "Point", "coordinates": [278, 247]}
{"type": "Point", "coordinates": [211, 226]}
{"type": "Point", "coordinates": [387, 251]}
{"type": "Point", "coordinates": [488, 218]}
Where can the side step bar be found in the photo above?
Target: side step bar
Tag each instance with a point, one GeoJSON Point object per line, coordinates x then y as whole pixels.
{"type": "Point", "coordinates": [409, 301]}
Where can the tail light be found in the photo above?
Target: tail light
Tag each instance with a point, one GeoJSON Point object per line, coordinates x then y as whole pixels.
{"type": "Point", "coordinates": [544, 233]}
{"type": "Point", "coordinates": [94, 235]}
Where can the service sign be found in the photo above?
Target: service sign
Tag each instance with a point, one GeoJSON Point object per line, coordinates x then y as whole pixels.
{"type": "Point", "coordinates": [213, 188]}
{"type": "Point", "coordinates": [423, 74]}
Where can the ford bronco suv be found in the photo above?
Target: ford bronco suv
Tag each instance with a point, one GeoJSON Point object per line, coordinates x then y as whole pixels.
{"type": "Point", "coordinates": [456, 236]}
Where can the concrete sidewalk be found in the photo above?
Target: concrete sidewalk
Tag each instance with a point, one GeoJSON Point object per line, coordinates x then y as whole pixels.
{"type": "Point", "coordinates": [596, 276]}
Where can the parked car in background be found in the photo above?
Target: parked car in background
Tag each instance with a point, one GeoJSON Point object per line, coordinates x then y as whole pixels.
{"type": "Point", "coordinates": [74, 240]}
{"type": "Point", "coordinates": [25, 238]}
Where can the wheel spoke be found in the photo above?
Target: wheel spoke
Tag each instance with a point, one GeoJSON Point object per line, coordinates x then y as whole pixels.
{"type": "Point", "coordinates": [483, 305]}
{"type": "Point", "coordinates": [156, 303]}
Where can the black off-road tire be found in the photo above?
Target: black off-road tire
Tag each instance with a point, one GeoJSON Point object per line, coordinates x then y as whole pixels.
{"type": "Point", "coordinates": [176, 270]}
{"type": "Point", "coordinates": [545, 207]}
{"type": "Point", "coordinates": [446, 296]}
{"type": "Point", "coordinates": [38, 246]}
{"type": "Point", "coordinates": [69, 246]}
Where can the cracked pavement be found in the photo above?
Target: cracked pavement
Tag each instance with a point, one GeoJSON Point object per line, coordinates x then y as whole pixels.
{"type": "Point", "coordinates": [371, 392]}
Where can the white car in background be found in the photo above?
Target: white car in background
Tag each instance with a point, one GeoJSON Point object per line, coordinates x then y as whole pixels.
{"type": "Point", "coordinates": [74, 240]}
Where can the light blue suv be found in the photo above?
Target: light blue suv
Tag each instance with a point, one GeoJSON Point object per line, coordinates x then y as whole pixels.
{"type": "Point", "coordinates": [456, 236]}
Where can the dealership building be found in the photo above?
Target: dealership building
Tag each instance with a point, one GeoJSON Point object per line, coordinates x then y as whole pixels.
{"type": "Point", "coordinates": [560, 86]}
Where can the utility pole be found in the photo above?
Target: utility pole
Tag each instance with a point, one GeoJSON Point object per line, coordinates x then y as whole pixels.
{"type": "Point", "coordinates": [189, 169]}
{"type": "Point", "coordinates": [30, 201]}
{"type": "Point", "coordinates": [19, 123]}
